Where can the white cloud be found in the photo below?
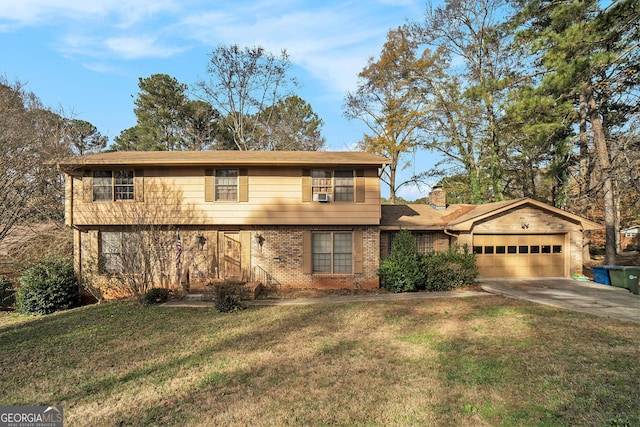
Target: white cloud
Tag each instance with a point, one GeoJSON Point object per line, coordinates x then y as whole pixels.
{"type": "Point", "coordinates": [139, 47]}
{"type": "Point", "coordinates": [32, 12]}
{"type": "Point", "coordinates": [332, 42]}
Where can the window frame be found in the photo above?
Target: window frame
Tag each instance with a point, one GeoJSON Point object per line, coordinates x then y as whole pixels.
{"type": "Point", "coordinates": [110, 262]}
{"type": "Point", "coordinates": [217, 173]}
{"type": "Point", "coordinates": [332, 256]}
{"type": "Point", "coordinates": [326, 181]}
{"type": "Point", "coordinates": [349, 189]}
{"type": "Point", "coordinates": [120, 189]}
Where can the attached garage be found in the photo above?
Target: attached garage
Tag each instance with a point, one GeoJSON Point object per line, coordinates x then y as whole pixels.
{"type": "Point", "coordinates": [512, 238]}
{"type": "Point", "coordinates": [524, 255]}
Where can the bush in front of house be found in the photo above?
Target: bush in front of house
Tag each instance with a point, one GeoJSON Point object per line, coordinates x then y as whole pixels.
{"type": "Point", "coordinates": [7, 293]}
{"type": "Point", "coordinates": [400, 271]}
{"type": "Point", "coordinates": [156, 296]}
{"type": "Point", "coordinates": [48, 286]}
{"type": "Point", "coordinates": [406, 270]}
{"type": "Point", "coordinates": [228, 296]}
{"type": "Point", "coordinates": [443, 271]}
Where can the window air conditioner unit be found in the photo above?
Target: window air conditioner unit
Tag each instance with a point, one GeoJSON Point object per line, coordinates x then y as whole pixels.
{"type": "Point", "coordinates": [322, 197]}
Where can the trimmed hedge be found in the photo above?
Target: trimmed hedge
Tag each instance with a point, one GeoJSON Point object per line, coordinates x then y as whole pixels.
{"type": "Point", "coordinates": [48, 286]}
{"type": "Point", "coordinates": [406, 270]}
{"type": "Point", "coordinates": [443, 271]}
{"type": "Point", "coordinates": [400, 271]}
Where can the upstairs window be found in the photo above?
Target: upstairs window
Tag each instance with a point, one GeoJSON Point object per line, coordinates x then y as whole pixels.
{"type": "Point", "coordinates": [321, 182]}
{"type": "Point", "coordinates": [338, 185]}
{"type": "Point", "coordinates": [226, 185]}
{"type": "Point", "coordinates": [343, 181]}
{"type": "Point", "coordinates": [113, 185]}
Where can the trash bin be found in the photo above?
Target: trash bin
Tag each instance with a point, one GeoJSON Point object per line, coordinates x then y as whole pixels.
{"type": "Point", "coordinates": [601, 274]}
{"type": "Point", "coordinates": [625, 277]}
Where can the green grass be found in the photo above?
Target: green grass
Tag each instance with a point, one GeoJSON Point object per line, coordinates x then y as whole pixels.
{"type": "Point", "coordinates": [464, 361]}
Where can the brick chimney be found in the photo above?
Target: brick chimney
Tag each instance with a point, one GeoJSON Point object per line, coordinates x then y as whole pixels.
{"type": "Point", "coordinates": [438, 198]}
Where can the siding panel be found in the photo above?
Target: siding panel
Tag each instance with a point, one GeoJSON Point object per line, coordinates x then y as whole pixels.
{"type": "Point", "coordinates": [182, 196]}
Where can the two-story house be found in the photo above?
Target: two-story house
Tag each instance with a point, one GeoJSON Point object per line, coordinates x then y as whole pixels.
{"type": "Point", "coordinates": [298, 219]}
{"type": "Point", "coordinates": [301, 219]}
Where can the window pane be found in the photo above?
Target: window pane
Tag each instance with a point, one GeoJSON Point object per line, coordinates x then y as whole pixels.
{"type": "Point", "coordinates": [342, 263]}
{"type": "Point", "coordinates": [342, 243]}
{"type": "Point", "coordinates": [343, 185]}
{"type": "Point", "coordinates": [500, 249]}
{"type": "Point", "coordinates": [332, 252]}
{"type": "Point", "coordinates": [321, 181]}
{"type": "Point", "coordinates": [535, 249]}
{"type": "Point", "coordinates": [488, 249]}
{"type": "Point", "coordinates": [321, 247]}
{"type": "Point", "coordinates": [322, 263]}
{"type": "Point", "coordinates": [342, 253]}
{"type": "Point", "coordinates": [102, 185]}
{"type": "Point", "coordinates": [546, 249]}
{"type": "Point", "coordinates": [322, 243]}
{"type": "Point", "coordinates": [124, 177]}
{"type": "Point", "coordinates": [557, 249]}
{"type": "Point", "coordinates": [424, 241]}
{"type": "Point", "coordinates": [523, 249]}
{"type": "Point", "coordinates": [477, 250]}
{"type": "Point", "coordinates": [124, 185]}
{"type": "Point", "coordinates": [511, 249]}
{"type": "Point", "coordinates": [110, 252]}
{"type": "Point", "coordinates": [226, 184]}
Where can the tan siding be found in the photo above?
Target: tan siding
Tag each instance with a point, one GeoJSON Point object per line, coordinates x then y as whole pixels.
{"type": "Point", "coordinates": [68, 199]}
{"type": "Point", "coordinates": [178, 196]}
{"type": "Point", "coordinates": [306, 185]}
{"type": "Point", "coordinates": [360, 186]}
{"type": "Point", "coordinates": [87, 188]}
{"type": "Point", "coordinates": [208, 185]}
{"type": "Point", "coordinates": [243, 187]}
{"type": "Point", "coordinates": [139, 185]}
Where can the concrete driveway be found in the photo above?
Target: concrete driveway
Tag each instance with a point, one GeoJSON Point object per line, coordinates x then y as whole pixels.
{"type": "Point", "coordinates": [588, 297]}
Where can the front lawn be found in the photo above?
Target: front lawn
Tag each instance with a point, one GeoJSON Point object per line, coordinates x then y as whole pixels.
{"type": "Point", "coordinates": [463, 361]}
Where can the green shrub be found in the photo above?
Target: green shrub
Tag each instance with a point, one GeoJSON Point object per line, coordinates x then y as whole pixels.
{"type": "Point", "coordinates": [448, 270]}
{"type": "Point", "coordinates": [156, 296]}
{"type": "Point", "coordinates": [7, 293]}
{"type": "Point", "coordinates": [228, 296]}
{"type": "Point", "coordinates": [400, 271]}
{"type": "Point", "coordinates": [49, 285]}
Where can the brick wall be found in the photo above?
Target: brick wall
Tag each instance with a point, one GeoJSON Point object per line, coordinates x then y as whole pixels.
{"type": "Point", "coordinates": [281, 255]}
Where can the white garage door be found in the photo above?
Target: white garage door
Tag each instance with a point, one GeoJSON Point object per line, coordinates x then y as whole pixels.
{"type": "Point", "coordinates": [529, 255]}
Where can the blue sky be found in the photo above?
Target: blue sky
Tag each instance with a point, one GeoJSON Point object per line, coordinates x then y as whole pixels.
{"type": "Point", "coordinates": [84, 57]}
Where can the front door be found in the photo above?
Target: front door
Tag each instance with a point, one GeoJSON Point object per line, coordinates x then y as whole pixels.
{"type": "Point", "coordinates": [230, 250]}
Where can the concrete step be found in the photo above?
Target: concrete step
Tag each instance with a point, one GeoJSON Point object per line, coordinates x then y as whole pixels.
{"type": "Point", "coordinates": [197, 297]}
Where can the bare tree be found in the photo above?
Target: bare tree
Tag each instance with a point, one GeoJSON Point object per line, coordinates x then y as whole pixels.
{"type": "Point", "coordinates": [32, 137]}
{"type": "Point", "coordinates": [244, 82]}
